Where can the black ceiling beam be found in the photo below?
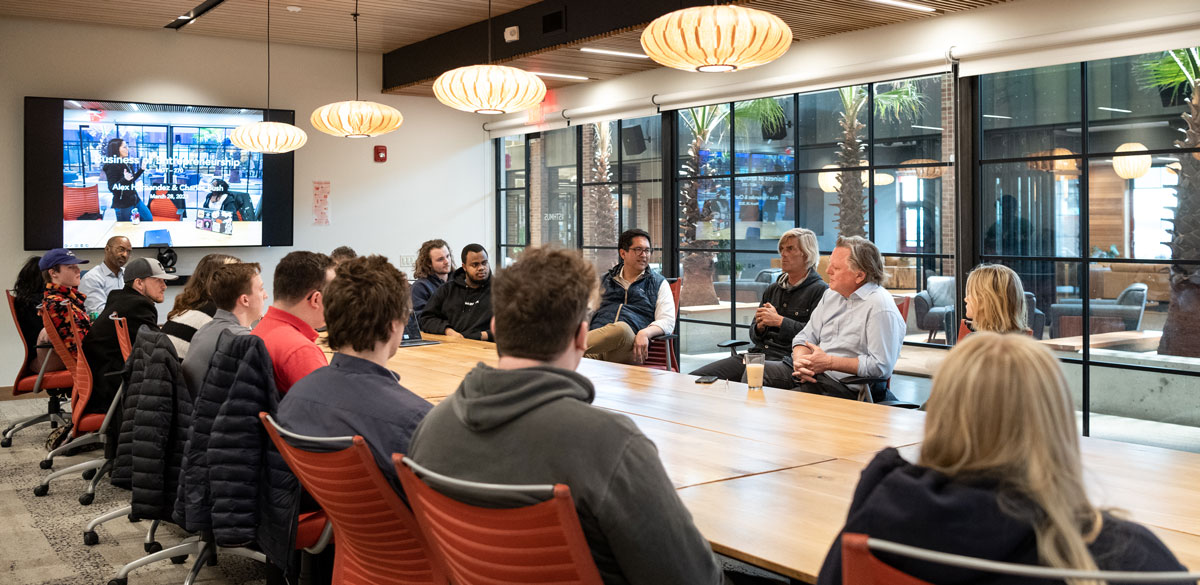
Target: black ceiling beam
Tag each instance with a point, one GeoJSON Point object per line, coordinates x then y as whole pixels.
{"type": "Point", "coordinates": [194, 13]}
{"type": "Point", "coordinates": [574, 20]}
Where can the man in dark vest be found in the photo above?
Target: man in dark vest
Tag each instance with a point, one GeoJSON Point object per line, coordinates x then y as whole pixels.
{"type": "Point", "coordinates": [635, 305]}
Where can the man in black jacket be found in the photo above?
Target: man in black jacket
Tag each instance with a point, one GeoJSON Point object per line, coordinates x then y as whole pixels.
{"type": "Point", "coordinates": [145, 285]}
{"type": "Point", "coordinates": [463, 306]}
{"type": "Point", "coordinates": [785, 307]}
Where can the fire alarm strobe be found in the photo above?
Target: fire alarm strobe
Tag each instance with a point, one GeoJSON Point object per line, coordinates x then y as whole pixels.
{"type": "Point", "coordinates": [380, 154]}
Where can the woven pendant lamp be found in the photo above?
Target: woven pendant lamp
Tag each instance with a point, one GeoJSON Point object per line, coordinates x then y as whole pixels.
{"type": "Point", "coordinates": [1133, 166]}
{"type": "Point", "coordinates": [716, 38]}
{"type": "Point", "coordinates": [268, 137]}
{"type": "Point", "coordinates": [489, 89]}
{"type": "Point", "coordinates": [356, 118]}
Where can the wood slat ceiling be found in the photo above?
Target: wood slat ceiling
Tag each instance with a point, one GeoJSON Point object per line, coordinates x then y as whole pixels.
{"type": "Point", "coordinates": [385, 25]}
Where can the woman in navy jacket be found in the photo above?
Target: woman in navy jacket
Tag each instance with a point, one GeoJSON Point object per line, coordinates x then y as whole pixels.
{"type": "Point", "coordinates": [999, 477]}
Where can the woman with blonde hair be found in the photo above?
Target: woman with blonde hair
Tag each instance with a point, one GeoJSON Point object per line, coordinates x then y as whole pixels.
{"type": "Point", "coordinates": [999, 477]}
{"type": "Point", "coordinates": [995, 300]}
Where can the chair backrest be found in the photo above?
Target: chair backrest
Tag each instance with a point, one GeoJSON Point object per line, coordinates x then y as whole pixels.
{"type": "Point", "coordinates": [674, 283]}
{"type": "Point", "coordinates": [122, 327]}
{"type": "Point", "coordinates": [860, 567]}
{"type": "Point", "coordinates": [1134, 294]}
{"type": "Point", "coordinates": [163, 210]}
{"type": "Point", "coordinates": [539, 543]}
{"type": "Point", "coordinates": [377, 536]}
{"type": "Point", "coordinates": [80, 200]}
{"type": "Point", "coordinates": [903, 303]}
{"type": "Point", "coordinates": [661, 353]}
{"type": "Point", "coordinates": [81, 389]}
{"type": "Point", "coordinates": [963, 330]}
{"type": "Point", "coordinates": [23, 371]}
{"type": "Point", "coordinates": [60, 347]}
{"type": "Point", "coordinates": [941, 290]}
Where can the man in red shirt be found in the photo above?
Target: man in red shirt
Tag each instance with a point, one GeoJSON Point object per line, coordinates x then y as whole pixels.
{"type": "Point", "coordinates": [289, 329]}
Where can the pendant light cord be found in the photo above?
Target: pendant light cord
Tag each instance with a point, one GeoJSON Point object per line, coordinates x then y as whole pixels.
{"type": "Point", "coordinates": [268, 112]}
{"type": "Point", "coordinates": [355, 15]}
{"type": "Point", "coordinates": [489, 26]}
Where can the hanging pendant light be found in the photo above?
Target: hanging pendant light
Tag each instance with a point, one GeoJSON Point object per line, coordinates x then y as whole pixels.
{"type": "Point", "coordinates": [489, 89]}
{"type": "Point", "coordinates": [716, 38]}
{"type": "Point", "coordinates": [356, 118]}
{"type": "Point", "coordinates": [268, 137]}
{"type": "Point", "coordinates": [1134, 166]}
{"type": "Point", "coordinates": [830, 180]}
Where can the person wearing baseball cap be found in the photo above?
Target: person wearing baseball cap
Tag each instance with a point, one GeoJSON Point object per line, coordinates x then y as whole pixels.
{"type": "Point", "coordinates": [145, 285]}
{"type": "Point", "coordinates": [63, 302]}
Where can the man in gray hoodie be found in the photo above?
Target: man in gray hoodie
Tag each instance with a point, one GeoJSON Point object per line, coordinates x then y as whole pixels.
{"type": "Point", "coordinates": [530, 421]}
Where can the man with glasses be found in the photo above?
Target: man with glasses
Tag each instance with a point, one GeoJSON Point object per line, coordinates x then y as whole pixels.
{"type": "Point", "coordinates": [635, 305]}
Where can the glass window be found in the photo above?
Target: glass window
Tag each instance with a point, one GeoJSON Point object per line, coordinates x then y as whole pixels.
{"type": "Point", "coordinates": [642, 207]}
{"type": "Point", "coordinates": [704, 141]}
{"type": "Point", "coordinates": [553, 189]}
{"type": "Point", "coordinates": [641, 149]}
{"type": "Point", "coordinates": [764, 137]}
{"type": "Point", "coordinates": [765, 208]}
{"type": "Point", "coordinates": [1031, 208]}
{"type": "Point", "coordinates": [599, 152]}
{"type": "Point", "coordinates": [512, 217]}
{"type": "Point", "coordinates": [908, 205]}
{"type": "Point", "coordinates": [825, 135]}
{"type": "Point", "coordinates": [705, 212]}
{"type": "Point", "coordinates": [910, 120]}
{"type": "Point", "coordinates": [1137, 101]}
{"type": "Point", "coordinates": [512, 162]}
{"type": "Point", "coordinates": [1031, 112]}
{"type": "Point", "coordinates": [600, 222]}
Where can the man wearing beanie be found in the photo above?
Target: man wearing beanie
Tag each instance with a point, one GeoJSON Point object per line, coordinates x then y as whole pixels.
{"type": "Point", "coordinates": [145, 285]}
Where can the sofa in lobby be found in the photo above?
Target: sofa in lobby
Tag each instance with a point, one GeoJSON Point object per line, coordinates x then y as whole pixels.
{"type": "Point", "coordinates": [1121, 314]}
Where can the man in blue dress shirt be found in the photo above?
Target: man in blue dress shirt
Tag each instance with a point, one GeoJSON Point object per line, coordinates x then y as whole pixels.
{"type": "Point", "coordinates": [366, 307]}
{"type": "Point", "coordinates": [856, 329]}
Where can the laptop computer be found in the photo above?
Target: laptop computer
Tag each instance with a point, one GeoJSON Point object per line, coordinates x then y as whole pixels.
{"type": "Point", "coordinates": [412, 334]}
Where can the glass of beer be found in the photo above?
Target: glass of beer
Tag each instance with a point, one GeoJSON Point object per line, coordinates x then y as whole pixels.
{"type": "Point", "coordinates": [755, 362]}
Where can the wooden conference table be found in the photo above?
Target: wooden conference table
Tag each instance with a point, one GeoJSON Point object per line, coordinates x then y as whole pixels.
{"type": "Point", "coordinates": [768, 476]}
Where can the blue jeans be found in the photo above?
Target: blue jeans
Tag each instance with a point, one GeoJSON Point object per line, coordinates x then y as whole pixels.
{"type": "Point", "coordinates": [126, 213]}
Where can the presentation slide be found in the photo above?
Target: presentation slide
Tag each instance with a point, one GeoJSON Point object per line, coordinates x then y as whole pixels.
{"type": "Point", "coordinates": [162, 175]}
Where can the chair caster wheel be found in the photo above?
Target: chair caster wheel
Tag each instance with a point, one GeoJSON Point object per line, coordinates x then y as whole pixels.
{"type": "Point", "coordinates": [119, 581]}
{"type": "Point", "coordinates": [179, 560]}
{"type": "Point", "coordinates": [86, 499]}
{"type": "Point", "coordinates": [89, 474]}
{"type": "Point", "coordinates": [151, 547]}
{"type": "Point", "coordinates": [6, 442]}
{"type": "Point", "coordinates": [41, 490]}
{"type": "Point", "coordinates": [46, 463]}
{"type": "Point", "coordinates": [91, 538]}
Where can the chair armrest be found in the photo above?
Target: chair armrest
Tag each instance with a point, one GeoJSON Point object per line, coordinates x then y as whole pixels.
{"type": "Point", "coordinates": [922, 302]}
{"type": "Point", "coordinates": [862, 380]}
{"type": "Point", "coordinates": [733, 343]}
{"type": "Point", "coordinates": [326, 536]}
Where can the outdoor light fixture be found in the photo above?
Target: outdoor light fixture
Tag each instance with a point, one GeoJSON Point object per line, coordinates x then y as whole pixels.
{"type": "Point", "coordinates": [356, 118]}
{"type": "Point", "coordinates": [1133, 166]}
{"type": "Point", "coordinates": [268, 137]}
{"type": "Point", "coordinates": [716, 38]}
{"type": "Point", "coordinates": [489, 89]}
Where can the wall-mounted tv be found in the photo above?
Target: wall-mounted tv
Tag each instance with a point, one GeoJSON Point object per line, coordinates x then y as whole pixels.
{"type": "Point", "coordinates": [160, 174]}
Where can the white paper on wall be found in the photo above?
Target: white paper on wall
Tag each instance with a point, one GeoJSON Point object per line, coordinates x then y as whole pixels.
{"type": "Point", "coordinates": [320, 207]}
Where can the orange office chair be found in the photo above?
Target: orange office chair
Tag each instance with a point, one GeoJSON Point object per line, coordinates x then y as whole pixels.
{"type": "Point", "coordinates": [860, 567]}
{"type": "Point", "coordinates": [377, 537]}
{"type": "Point", "coordinates": [80, 200]}
{"type": "Point", "coordinates": [163, 210]}
{"type": "Point", "coordinates": [538, 542]}
{"type": "Point", "coordinates": [87, 428]}
{"type": "Point", "coordinates": [661, 355]}
{"type": "Point", "coordinates": [903, 303]}
{"type": "Point", "coordinates": [122, 328]}
{"type": "Point", "coordinates": [56, 384]}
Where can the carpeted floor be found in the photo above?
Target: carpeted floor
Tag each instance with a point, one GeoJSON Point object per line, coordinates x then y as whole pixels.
{"type": "Point", "coordinates": [41, 539]}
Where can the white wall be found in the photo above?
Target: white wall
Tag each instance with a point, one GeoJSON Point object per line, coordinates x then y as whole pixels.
{"type": "Point", "coordinates": [437, 181]}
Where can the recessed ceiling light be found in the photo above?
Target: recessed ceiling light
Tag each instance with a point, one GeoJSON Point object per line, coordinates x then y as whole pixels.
{"type": "Point", "coordinates": [185, 17]}
{"type": "Point", "coordinates": [927, 127]}
{"type": "Point", "coordinates": [616, 53]}
{"type": "Point", "coordinates": [293, 8]}
{"type": "Point", "coordinates": [908, 5]}
{"type": "Point", "coordinates": [560, 76]}
{"type": "Point", "coordinates": [997, 117]}
{"type": "Point", "coordinates": [135, 108]}
{"type": "Point", "coordinates": [1114, 110]}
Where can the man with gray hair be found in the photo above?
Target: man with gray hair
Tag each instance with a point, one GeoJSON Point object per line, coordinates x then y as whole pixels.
{"type": "Point", "coordinates": [856, 330]}
{"type": "Point", "coordinates": [785, 308]}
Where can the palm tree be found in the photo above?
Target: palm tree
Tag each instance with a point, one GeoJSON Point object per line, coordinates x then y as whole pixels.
{"type": "Point", "coordinates": [704, 122]}
{"type": "Point", "coordinates": [903, 101]}
{"type": "Point", "coordinates": [603, 205]}
{"type": "Point", "coordinates": [1178, 71]}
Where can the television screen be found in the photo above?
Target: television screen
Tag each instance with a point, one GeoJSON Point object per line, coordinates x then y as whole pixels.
{"type": "Point", "coordinates": [160, 174]}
